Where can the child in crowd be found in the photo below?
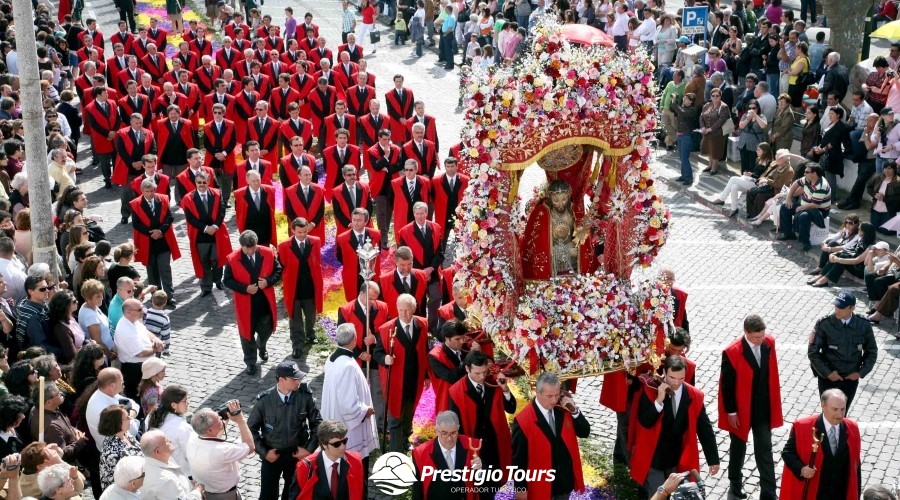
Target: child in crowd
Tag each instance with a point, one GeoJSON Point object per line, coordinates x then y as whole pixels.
{"type": "Point", "coordinates": [153, 371]}
{"type": "Point", "coordinates": [471, 49]}
{"type": "Point", "coordinates": [399, 29]}
{"type": "Point", "coordinates": [157, 319]}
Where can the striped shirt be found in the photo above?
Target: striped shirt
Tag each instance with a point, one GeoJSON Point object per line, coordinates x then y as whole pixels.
{"type": "Point", "coordinates": [347, 19]}
{"type": "Point", "coordinates": [157, 321]}
{"type": "Point", "coordinates": [820, 193]}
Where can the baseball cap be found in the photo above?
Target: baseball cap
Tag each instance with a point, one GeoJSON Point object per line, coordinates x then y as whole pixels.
{"type": "Point", "coordinates": [684, 40]}
{"type": "Point", "coordinates": [844, 299]}
{"type": "Point", "coordinates": [289, 369]}
{"type": "Point", "coordinates": [882, 245]}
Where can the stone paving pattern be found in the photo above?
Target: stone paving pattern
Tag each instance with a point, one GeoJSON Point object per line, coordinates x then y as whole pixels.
{"type": "Point", "coordinates": [728, 269]}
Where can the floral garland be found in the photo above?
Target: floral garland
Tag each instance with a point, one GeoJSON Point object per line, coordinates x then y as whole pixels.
{"type": "Point", "coordinates": [558, 90]}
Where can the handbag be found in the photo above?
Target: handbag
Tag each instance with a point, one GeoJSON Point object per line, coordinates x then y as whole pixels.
{"type": "Point", "coordinates": [374, 37]}
{"type": "Point", "coordinates": [806, 78]}
{"type": "Point", "coordinates": [728, 126]}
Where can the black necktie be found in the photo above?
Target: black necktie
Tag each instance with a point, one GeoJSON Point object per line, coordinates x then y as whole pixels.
{"type": "Point", "coordinates": [480, 390]}
{"type": "Point", "coordinates": [406, 288]}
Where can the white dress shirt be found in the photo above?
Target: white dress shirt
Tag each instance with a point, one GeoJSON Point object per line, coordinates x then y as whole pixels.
{"type": "Point", "coordinates": [131, 339]}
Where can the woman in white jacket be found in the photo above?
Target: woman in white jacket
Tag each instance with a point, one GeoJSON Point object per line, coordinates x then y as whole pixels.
{"type": "Point", "coordinates": [169, 418]}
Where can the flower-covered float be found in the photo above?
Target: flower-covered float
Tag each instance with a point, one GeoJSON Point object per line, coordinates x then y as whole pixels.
{"type": "Point", "coordinates": [550, 281]}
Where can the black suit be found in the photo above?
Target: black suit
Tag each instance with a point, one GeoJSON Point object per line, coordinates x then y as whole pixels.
{"type": "Point", "coordinates": [833, 478]}
{"type": "Point", "coordinates": [561, 456]}
{"type": "Point", "coordinates": [206, 243]}
{"type": "Point", "coordinates": [438, 489]}
{"type": "Point", "coordinates": [321, 491]}
{"type": "Point", "coordinates": [760, 416]}
{"type": "Point", "coordinates": [669, 445]}
{"type": "Point", "coordinates": [401, 428]}
{"type": "Point", "coordinates": [837, 80]}
{"type": "Point", "coordinates": [159, 270]}
{"type": "Point", "coordinates": [259, 219]}
{"type": "Point", "coordinates": [440, 370]}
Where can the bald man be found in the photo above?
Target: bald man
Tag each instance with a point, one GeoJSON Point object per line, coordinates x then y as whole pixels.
{"type": "Point", "coordinates": [135, 344]}
{"type": "Point", "coordinates": [163, 478]}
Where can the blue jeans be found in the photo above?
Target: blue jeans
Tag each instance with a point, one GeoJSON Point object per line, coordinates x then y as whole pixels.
{"type": "Point", "coordinates": [685, 145]}
{"type": "Point", "coordinates": [803, 220]}
{"type": "Point", "coordinates": [774, 81]}
{"type": "Point", "coordinates": [809, 5]}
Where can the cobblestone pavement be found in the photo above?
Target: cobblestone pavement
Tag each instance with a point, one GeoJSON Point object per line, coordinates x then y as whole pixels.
{"type": "Point", "coordinates": [728, 270]}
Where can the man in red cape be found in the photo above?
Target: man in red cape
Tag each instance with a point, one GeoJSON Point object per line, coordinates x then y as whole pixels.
{"type": "Point", "coordinates": [750, 399]}
{"type": "Point", "coordinates": [254, 161]}
{"type": "Point", "coordinates": [336, 158]}
{"type": "Point", "coordinates": [220, 139]}
{"type": "Point", "coordinates": [399, 101]}
{"type": "Point", "coordinates": [251, 272]}
{"type": "Point", "coordinates": [184, 182]}
{"type": "Point", "coordinates": [204, 212]}
{"type": "Point", "coordinates": [667, 276]}
{"type": "Point", "coordinates": [354, 313]}
{"type": "Point", "coordinates": [426, 240]}
{"type": "Point", "coordinates": [153, 234]}
{"type": "Point", "coordinates": [289, 165]}
{"type": "Point", "coordinates": [404, 279]}
{"type": "Point", "coordinates": [348, 196]}
{"type": "Point", "coordinates": [301, 259]}
{"type": "Point", "coordinates": [836, 472]}
{"type": "Point", "coordinates": [162, 181]}
{"type": "Point", "coordinates": [306, 199]}
{"type": "Point", "coordinates": [670, 419]}
{"type": "Point", "coordinates": [422, 150]}
{"type": "Point", "coordinates": [445, 362]}
{"type": "Point", "coordinates": [482, 410]}
{"type": "Point", "coordinates": [254, 208]}
{"type": "Point", "coordinates": [433, 455]}
{"type": "Point", "coordinates": [544, 437]}
{"type": "Point", "coordinates": [339, 120]}
{"type": "Point", "coordinates": [382, 162]}
{"type": "Point", "coordinates": [132, 144]}
{"type": "Point", "coordinates": [347, 245]}
{"type": "Point", "coordinates": [313, 472]}
{"type": "Point", "coordinates": [103, 117]}
{"type": "Point", "coordinates": [447, 191]}
{"type": "Point", "coordinates": [263, 129]}
{"type": "Point", "coordinates": [402, 361]}
{"type": "Point", "coordinates": [406, 191]}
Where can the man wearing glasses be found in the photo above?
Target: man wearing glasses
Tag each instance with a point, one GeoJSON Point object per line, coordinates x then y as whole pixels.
{"type": "Point", "coordinates": [135, 344]}
{"type": "Point", "coordinates": [284, 422]}
{"type": "Point", "coordinates": [32, 324]}
{"type": "Point", "coordinates": [408, 189]}
{"type": "Point", "coordinates": [808, 202]}
{"type": "Point", "coordinates": [342, 469]}
{"type": "Point", "coordinates": [448, 451]}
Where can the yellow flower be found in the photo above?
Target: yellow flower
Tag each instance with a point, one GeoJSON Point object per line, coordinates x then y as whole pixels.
{"type": "Point", "coordinates": [538, 82]}
{"type": "Point", "coordinates": [473, 152]}
{"type": "Point", "coordinates": [507, 95]}
{"type": "Point", "coordinates": [548, 105]}
{"type": "Point", "coordinates": [570, 82]}
{"type": "Point", "coordinates": [492, 134]}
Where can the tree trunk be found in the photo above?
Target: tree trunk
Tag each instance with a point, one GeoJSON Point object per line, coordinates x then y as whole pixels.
{"type": "Point", "coordinates": [847, 20]}
{"type": "Point", "coordinates": [43, 233]}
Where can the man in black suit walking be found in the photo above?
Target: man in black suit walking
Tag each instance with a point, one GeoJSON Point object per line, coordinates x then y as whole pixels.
{"type": "Point", "coordinates": [445, 452]}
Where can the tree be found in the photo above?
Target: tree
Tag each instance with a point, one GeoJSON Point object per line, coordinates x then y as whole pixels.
{"type": "Point", "coordinates": [42, 231]}
{"type": "Point", "coordinates": [847, 21]}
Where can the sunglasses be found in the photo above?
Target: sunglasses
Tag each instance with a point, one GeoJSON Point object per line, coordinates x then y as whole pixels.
{"type": "Point", "coordinates": [338, 444]}
{"type": "Point", "coordinates": [45, 288]}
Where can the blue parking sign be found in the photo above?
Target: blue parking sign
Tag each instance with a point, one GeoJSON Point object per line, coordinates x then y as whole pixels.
{"type": "Point", "coordinates": [693, 20]}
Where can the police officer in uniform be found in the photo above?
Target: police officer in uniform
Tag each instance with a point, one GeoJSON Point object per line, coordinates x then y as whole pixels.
{"type": "Point", "coordinates": [284, 422]}
{"type": "Point", "coordinates": [842, 348]}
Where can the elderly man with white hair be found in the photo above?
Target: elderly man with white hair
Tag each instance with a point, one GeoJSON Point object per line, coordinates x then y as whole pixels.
{"type": "Point", "coordinates": [57, 482]}
{"type": "Point", "coordinates": [164, 479]}
{"type": "Point", "coordinates": [214, 461]}
{"type": "Point", "coordinates": [128, 479]}
{"type": "Point", "coordinates": [346, 396]}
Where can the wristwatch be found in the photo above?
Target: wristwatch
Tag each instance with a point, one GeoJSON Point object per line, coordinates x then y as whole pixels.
{"type": "Point", "coordinates": [662, 491]}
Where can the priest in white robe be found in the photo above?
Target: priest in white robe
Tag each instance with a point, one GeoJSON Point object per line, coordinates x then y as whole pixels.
{"type": "Point", "coordinates": [346, 396]}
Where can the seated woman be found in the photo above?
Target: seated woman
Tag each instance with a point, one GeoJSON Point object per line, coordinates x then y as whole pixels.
{"type": "Point", "coordinates": [762, 199]}
{"type": "Point", "coordinates": [748, 180]}
{"type": "Point", "coordinates": [849, 259]}
{"type": "Point", "coordinates": [848, 235]}
{"type": "Point", "coordinates": [884, 188]}
{"type": "Point", "coordinates": [881, 272]}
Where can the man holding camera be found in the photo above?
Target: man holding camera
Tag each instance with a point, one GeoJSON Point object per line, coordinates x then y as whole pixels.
{"type": "Point", "coordinates": [283, 422]}
{"type": "Point", "coordinates": [213, 460]}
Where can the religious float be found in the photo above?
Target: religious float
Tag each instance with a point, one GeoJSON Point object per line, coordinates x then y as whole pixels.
{"type": "Point", "coordinates": [550, 280]}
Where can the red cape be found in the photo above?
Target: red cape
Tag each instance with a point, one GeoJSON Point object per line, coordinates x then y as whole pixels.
{"type": "Point", "coordinates": [290, 264]}
{"type": "Point", "coordinates": [162, 186]}
{"type": "Point", "coordinates": [645, 439]}
{"type": "Point", "coordinates": [340, 205]}
{"type": "Point", "coordinates": [536, 247]}
{"type": "Point", "coordinates": [224, 144]}
{"type": "Point", "coordinates": [307, 476]}
{"type": "Point", "coordinates": [266, 173]}
{"type": "Point", "coordinates": [539, 456]}
{"type": "Point", "coordinates": [397, 109]}
{"type": "Point", "coordinates": [242, 305]}
{"type": "Point", "coordinates": [267, 138]}
{"type": "Point", "coordinates": [441, 387]}
{"type": "Point", "coordinates": [142, 240]}
{"type": "Point", "coordinates": [240, 209]}
{"type": "Point", "coordinates": [459, 393]}
{"type": "Point", "coordinates": [442, 197]}
{"type": "Point", "coordinates": [792, 486]}
{"type": "Point", "coordinates": [295, 207]}
{"type": "Point", "coordinates": [395, 391]}
{"type": "Point", "coordinates": [289, 172]}
{"type": "Point", "coordinates": [333, 166]}
{"type": "Point", "coordinates": [402, 202]}
{"type": "Point", "coordinates": [378, 178]}
{"type": "Point", "coordinates": [121, 169]}
{"type": "Point", "coordinates": [735, 354]}
{"type": "Point", "coordinates": [408, 238]}
{"type": "Point", "coordinates": [389, 291]}
{"type": "Point", "coordinates": [682, 306]}
{"type": "Point", "coordinates": [347, 314]}
{"type": "Point", "coordinates": [223, 241]}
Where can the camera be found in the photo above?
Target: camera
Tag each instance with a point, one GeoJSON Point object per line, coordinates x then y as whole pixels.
{"type": "Point", "coordinates": [223, 411]}
{"type": "Point", "coordinates": [691, 491]}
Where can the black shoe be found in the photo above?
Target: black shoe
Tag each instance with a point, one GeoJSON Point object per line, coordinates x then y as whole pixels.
{"type": "Point", "coordinates": [707, 169]}
{"type": "Point", "coordinates": [687, 182]}
{"type": "Point", "coordinates": [107, 185]}
{"type": "Point", "coordinates": [264, 356]}
{"type": "Point", "coordinates": [806, 247]}
{"type": "Point", "coordinates": [219, 285]}
{"type": "Point", "coordinates": [251, 369]}
{"type": "Point", "coordinates": [312, 340]}
{"type": "Point", "coordinates": [172, 304]}
{"type": "Point", "coordinates": [737, 492]}
{"type": "Point", "coordinates": [680, 178]}
{"type": "Point", "coordinates": [717, 202]}
{"type": "Point", "coordinates": [205, 293]}
{"type": "Point", "coordinates": [296, 354]}
{"type": "Point", "coordinates": [124, 221]}
{"type": "Point", "coordinates": [784, 237]}
{"type": "Point", "coordinates": [733, 214]}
